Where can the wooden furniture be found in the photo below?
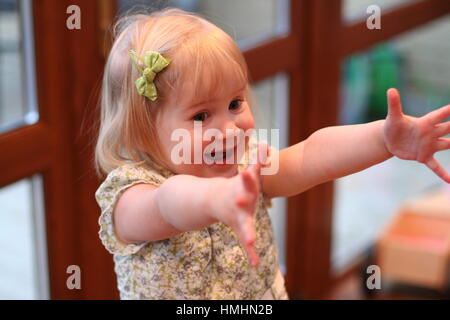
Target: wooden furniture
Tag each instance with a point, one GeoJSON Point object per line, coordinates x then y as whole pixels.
{"type": "Point", "coordinates": [415, 249]}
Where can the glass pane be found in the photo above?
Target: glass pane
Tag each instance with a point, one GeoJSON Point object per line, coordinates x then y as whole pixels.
{"type": "Point", "coordinates": [416, 63]}
{"type": "Point", "coordinates": [23, 266]}
{"type": "Point", "coordinates": [17, 84]}
{"type": "Point", "coordinates": [271, 112]}
{"type": "Point", "coordinates": [254, 22]}
{"type": "Point", "coordinates": [355, 10]}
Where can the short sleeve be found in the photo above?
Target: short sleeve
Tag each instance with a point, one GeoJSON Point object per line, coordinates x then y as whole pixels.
{"type": "Point", "coordinates": [107, 195]}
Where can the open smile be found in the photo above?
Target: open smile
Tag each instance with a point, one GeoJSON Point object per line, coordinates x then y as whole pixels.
{"type": "Point", "coordinates": [222, 157]}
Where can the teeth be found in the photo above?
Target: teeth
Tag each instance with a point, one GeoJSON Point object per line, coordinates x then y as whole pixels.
{"type": "Point", "coordinates": [219, 156]}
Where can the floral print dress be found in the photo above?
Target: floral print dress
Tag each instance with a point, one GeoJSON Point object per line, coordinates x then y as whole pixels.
{"type": "Point", "coordinates": [202, 264]}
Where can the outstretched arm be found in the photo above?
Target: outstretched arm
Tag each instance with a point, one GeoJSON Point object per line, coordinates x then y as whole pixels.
{"type": "Point", "coordinates": [337, 151]}
{"type": "Point", "coordinates": [327, 154]}
{"type": "Point", "coordinates": [183, 203]}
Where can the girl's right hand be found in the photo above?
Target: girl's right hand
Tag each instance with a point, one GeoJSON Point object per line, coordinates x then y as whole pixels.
{"type": "Point", "coordinates": [238, 209]}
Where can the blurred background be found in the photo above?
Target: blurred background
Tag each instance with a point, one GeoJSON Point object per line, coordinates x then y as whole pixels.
{"type": "Point", "coordinates": [312, 63]}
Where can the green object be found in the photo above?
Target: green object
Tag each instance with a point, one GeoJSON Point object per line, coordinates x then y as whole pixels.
{"type": "Point", "coordinates": [385, 75]}
{"type": "Point", "coordinates": [154, 62]}
{"type": "Point", "coordinates": [357, 86]}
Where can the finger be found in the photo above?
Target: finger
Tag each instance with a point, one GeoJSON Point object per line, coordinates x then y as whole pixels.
{"type": "Point", "coordinates": [242, 202]}
{"type": "Point", "coordinates": [249, 181]}
{"type": "Point", "coordinates": [250, 178]}
{"type": "Point", "coordinates": [247, 203]}
{"type": "Point", "coordinates": [436, 167]}
{"type": "Point", "coordinates": [254, 170]}
{"type": "Point", "coordinates": [443, 144]}
{"type": "Point", "coordinates": [252, 255]}
{"type": "Point", "coordinates": [256, 154]}
{"type": "Point", "coordinates": [246, 227]}
{"type": "Point", "coordinates": [262, 159]}
{"type": "Point", "coordinates": [394, 103]}
{"type": "Point", "coordinates": [442, 129]}
{"type": "Point", "coordinates": [439, 115]}
{"type": "Point", "coordinates": [248, 238]}
{"type": "Point", "coordinates": [263, 154]}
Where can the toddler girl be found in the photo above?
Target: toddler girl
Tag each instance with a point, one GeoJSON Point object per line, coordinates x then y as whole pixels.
{"type": "Point", "coordinates": [187, 230]}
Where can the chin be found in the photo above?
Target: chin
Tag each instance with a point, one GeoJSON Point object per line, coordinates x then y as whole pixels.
{"type": "Point", "coordinates": [208, 171]}
{"type": "Point", "coordinates": [220, 170]}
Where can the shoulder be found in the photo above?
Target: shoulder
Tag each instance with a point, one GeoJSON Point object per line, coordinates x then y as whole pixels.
{"type": "Point", "coordinates": [107, 195]}
{"type": "Point", "coordinates": [135, 171]}
{"type": "Point", "coordinates": [124, 177]}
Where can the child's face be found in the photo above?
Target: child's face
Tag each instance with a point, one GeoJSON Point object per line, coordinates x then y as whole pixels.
{"type": "Point", "coordinates": [228, 110]}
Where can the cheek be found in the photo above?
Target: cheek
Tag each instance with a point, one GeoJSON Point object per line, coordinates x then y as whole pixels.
{"type": "Point", "coordinates": [165, 139]}
{"type": "Point", "coordinates": [164, 135]}
{"type": "Point", "coordinates": [165, 145]}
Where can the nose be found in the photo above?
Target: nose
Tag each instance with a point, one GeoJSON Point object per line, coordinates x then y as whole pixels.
{"type": "Point", "coordinates": [226, 122]}
{"type": "Point", "coordinates": [229, 129]}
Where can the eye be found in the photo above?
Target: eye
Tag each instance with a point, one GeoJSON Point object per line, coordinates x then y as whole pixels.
{"type": "Point", "coordinates": [200, 116]}
{"type": "Point", "coordinates": [235, 104]}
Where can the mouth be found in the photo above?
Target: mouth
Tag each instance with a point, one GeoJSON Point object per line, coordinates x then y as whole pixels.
{"type": "Point", "coordinates": [222, 157]}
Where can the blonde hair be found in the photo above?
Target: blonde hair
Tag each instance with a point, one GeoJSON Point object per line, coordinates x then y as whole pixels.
{"type": "Point", "coordinates": [202, 55]}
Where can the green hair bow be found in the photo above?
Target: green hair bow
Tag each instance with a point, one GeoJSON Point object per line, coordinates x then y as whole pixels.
{"type": "Point", "coordinates": [154, 62]}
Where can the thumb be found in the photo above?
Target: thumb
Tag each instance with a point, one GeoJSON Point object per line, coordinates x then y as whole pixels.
{"type": "Point", "coordinates": [263, 154]}
{"type": "Point", "coordinates": [394, 103]}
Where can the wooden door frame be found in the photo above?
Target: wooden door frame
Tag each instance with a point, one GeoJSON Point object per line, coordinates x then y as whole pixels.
{"type": "Point", "coordinates": [69, 67]}
{"type": "Point", "coordinates": [45, 147]}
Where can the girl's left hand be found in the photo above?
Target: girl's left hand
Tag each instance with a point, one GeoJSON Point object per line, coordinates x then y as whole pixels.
{"type": "Point", "coordinates": [412, 138]}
